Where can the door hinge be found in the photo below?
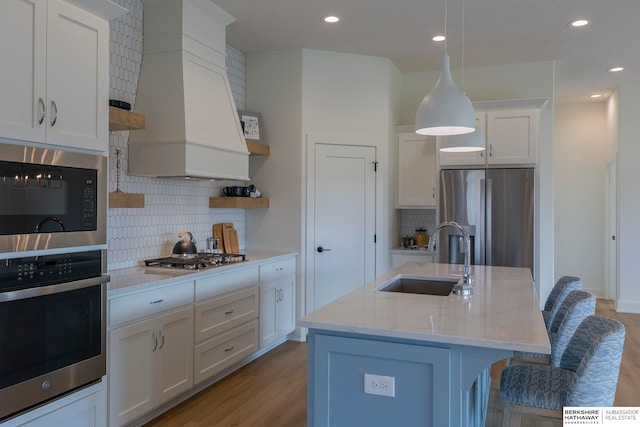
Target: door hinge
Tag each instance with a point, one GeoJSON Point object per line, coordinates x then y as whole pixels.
{"type": "Point", "coordinates": [375, 238]}
{"type": "Point", "coordinates": [375, 166]}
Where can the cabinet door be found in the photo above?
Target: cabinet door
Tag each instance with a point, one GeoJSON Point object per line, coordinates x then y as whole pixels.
{"type": "Point", "coordinates": [22, 86]}
{"type": "Point", "coordinates": [285, 306]}
{"type": "Point", "coordinates": [131, 370]}
{"type": "Point", "coordinates": [416, 171]}
{"type": "Point", "coordinates": [512, 137]}
{"type": "Point", "coordinates": [466, 158]}
{"type": "Point", "coordinates": [268, 318]}
{"type": "Point", "coordinates": [77, 78]}
{"type": "Point", "coordinates": [173, 364]}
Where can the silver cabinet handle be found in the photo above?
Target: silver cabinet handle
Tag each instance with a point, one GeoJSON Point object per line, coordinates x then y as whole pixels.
{"type": "Point", "coordinates": [162, 343]}
{"type": "Point", "coordinates": [158, 301]}
{"type": "Point", "coordinates": [321, 249]}
{"type": "Point", "coordinates": [54, 107]}
{"type": "Point", "coordinates": [229, 312]}
{"type": "Point", "coordinates": [490, 150]}
{"type": "Point", "coordinates": [433, 192]}
{"type": "Point", "coordinates": [43, 110]}
{"type": "Point", "coordinates": [228, 349]}
{"type": "Point", "coordinates": [155, 341]}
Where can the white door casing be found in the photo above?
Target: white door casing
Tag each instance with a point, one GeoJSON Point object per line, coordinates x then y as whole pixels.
{"type": "Point", "coordinates": [342, 220]}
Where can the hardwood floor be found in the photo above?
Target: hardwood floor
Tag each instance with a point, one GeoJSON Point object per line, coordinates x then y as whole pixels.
{"type": "Point", "coordinates": [271, 391]}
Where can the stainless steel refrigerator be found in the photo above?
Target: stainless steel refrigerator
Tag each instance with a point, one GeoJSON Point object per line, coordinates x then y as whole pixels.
{"type": "Point", "coordinates": [496, 207]}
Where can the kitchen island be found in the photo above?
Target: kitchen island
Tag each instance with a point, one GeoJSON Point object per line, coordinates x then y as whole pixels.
{"type": "Point", "coordinates": [430, 355]}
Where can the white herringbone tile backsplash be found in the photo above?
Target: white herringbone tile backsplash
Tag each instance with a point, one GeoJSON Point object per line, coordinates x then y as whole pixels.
{"type": "Point", "coordinates": [170, 205]}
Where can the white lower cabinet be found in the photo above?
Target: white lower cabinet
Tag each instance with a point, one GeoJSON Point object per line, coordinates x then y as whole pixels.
{"type": "Point", "coordinates": [226, 330]}
{"type": "Point", "coordinates": [150, 362]}
{"type": "Point", "coordinates": [168, 338]}
{"type": "Point", "coordinates": [277, 309]}
{"type": "Point", "coordinates": [84, 408]}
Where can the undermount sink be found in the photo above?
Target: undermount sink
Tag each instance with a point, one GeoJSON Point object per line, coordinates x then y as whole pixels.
{"type": "Point", "coordinates": [442, 287]}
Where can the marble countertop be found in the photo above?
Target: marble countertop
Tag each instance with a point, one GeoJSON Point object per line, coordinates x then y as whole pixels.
{"type": "Point", "coordinates": [502, 313]}
{"type": "Point", "coordinates": [135, 279]}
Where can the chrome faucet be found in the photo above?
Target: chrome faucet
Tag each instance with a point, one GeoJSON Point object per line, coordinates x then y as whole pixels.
{"type": "Point", "coordinates": [463, 287]}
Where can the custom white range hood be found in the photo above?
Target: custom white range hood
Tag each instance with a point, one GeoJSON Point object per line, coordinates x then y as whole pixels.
{"type": "Point", "coordinates": [192, 126]}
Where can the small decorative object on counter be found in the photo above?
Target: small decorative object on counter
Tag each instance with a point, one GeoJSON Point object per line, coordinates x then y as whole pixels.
{"type": "Point", "coordinates": [420, 238]}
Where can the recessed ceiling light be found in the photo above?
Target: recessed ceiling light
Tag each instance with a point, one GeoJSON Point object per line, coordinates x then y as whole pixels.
{"type": "Point", "coordinates": [579, 23]}
{"type": "Point", "coordinates": [596, 95]}
{"type": "Point", "coordinates": [616, 69]}
{"type": "Point", "coordinates": [438, 38]}
{"type": "Point", "coordinates": [331, 19]}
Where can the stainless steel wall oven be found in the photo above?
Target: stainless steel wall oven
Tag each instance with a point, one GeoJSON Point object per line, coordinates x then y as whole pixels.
{"type": "Point", "coordinates": [52, 327]}
{"type": "Point", "coordinates": [51, 199]}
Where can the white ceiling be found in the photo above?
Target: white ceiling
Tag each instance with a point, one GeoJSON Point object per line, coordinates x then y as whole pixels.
{"type": "Point", "coordinates": [496, 32]}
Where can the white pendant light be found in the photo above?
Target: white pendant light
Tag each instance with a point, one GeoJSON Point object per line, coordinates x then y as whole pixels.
{"type": "Point", "coordinates": [445, 110]}
{"type": "Point", "coordinates": [468, 142]}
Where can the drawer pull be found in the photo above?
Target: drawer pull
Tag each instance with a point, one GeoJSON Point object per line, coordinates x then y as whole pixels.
{"type": "Point", "coordinates": [155, 342]}
{"type": "Point", "coordinates": [158, 301]}
{"type": "Point", "coordinates": [162, 343]}
{"type": "Point", "coordinates": [279, 268]}
{"type": "Point", "coordinates": [229, 312]}
{"type": "Point", "coordinates": [228, 349]}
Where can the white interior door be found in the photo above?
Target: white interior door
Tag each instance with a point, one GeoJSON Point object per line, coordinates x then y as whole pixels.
{"type": "Point", "coordinates": [344, 219]}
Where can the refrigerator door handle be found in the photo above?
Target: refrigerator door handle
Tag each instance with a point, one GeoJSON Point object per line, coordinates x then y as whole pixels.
{"type": "Point", "coordinates": [480, 245]}
{"type": "Point", "coordinates": [489, 257]}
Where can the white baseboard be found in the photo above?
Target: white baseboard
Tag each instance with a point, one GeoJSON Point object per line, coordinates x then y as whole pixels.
{"type": "Point", "coordinates": [598, 292]}
{"type": "Point", "coordinates": [624, 306]}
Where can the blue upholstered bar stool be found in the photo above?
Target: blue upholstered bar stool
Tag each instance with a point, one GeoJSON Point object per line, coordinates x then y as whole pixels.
{"type": "Point", "coordinates": [587, 375]}
{"type": "Point", "coordinates": [573, 310]}
{"type": "Point", "coordinates": [560, 290]}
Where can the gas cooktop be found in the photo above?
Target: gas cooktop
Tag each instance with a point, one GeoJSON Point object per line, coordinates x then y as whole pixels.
{"type": "Point", "coordinates": [200, 261]}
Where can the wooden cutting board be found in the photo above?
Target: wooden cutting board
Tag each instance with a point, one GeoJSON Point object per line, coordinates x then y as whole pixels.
{"type": "Point", "coordinates": [226, 236]}
{"type": "Point", "coordinates": [233, 241]}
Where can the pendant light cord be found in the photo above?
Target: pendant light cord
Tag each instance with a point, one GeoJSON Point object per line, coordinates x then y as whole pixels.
{"type": "Point", "coordinates": [462, 65]}
{"type": "Point", "coordinates": [445, 26]}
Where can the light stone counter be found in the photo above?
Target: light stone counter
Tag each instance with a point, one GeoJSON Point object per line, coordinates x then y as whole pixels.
{"type": "Point", "coordinates": [503, 312]}
{"type": "Point", "coordinates": [136, 279]}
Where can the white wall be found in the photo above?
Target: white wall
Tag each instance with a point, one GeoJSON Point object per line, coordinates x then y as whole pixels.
{"type": "Point", "coordinates": [531, 80]}
{"type": "Point", "coordinates": [580, 163]}
{"type": "Point", "coordinates": [628, 234]}
{"type": "Point", "coordinates": [301, 92]}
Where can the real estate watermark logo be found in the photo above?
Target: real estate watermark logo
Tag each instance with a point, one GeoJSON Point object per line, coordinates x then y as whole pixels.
{"type": "Point", "coordinates": [604, 416]}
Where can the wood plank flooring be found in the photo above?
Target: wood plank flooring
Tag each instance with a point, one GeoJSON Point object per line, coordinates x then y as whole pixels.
{"type": "Point", "coordinates": [271, 391]}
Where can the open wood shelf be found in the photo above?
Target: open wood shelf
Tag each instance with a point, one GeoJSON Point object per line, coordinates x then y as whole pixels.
{"type": "Point", "coordinates": [257, 149]}
{"type": "Point", "coordinates": [238, 202]}
{"type": "Point", "coordinates": [120, 119]}
{"type": "Point", "coordinates": [126, 200]}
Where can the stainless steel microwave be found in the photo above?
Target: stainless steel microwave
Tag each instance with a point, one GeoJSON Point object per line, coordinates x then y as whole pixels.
{"type": "Point", "coordinates": [51, 198]}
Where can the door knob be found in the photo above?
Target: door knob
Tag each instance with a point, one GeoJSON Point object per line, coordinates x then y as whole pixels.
{"type": "Point", "coordinates": [321, 249]}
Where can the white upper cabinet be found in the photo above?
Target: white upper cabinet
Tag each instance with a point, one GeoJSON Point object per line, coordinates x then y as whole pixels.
{"type": "Point", "coordinates": [510, 129]}
{"type": "Point", "coordinates": [417, 171]}
{"type": "Point", "coordinates": [55, 88]}
{"type": "Point", "coordinates": [512, 137]}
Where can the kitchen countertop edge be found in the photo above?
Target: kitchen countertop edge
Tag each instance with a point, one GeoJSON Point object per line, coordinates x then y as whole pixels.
{"type": "Point", "coordinates": [503, 313]}
{"type": "Point", "coordinates": [135, 279]}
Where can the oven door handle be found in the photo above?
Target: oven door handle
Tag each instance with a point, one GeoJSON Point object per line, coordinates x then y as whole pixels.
{"type": "Point", "coordinates": [53, 289]}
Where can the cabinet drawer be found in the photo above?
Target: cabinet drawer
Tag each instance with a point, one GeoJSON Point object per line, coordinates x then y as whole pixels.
{"type": "Point", "coordinates": [218, 284]}
{"type": "Point", "coordinates": [226, 312]}
{"type": "Point", "coordinates": [137, 306]}
{"type": "Point", "coordinates": [277, 270]}
{"type": "Point", "coordinates": [216, 354]}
